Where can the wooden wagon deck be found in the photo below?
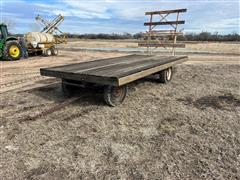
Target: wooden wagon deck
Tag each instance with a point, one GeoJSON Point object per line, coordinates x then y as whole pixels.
{"type": "Point", "coordinates": [114, 71]}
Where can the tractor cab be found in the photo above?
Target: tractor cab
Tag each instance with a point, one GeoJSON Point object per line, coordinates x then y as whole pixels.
{"type": "Point", "coordinates": [10, 49]}
{"type": "Point", "coordinates": [3, 31]}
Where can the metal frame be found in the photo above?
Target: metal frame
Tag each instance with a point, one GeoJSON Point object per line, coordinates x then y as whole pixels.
{"type": "Point", "coordinates": [156, 37]}
{"type": "Point", "coordinates": [52, 28]}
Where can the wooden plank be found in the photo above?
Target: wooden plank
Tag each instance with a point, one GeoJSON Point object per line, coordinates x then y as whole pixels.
{"type": "Point", "coordinates": [97, 63]}
{"type": "Point", "coordinates": [110, 75]}
{"type": "Point", "coordinates": [142, 67]}
{"type": "Point", "coordinates": [162, 34]}
{"type": "Point", "coordinates": [80, 77]}
{"type": "Point", "coordinates": [163, 23]}
{"type": "Point", "coordinates": [111, 65]}
{"type": "Point", "coordinates": [175, 37]}
{"type": "Point", "coordinates": [142, 74]}
{"type": "Point", "coordinates": [119, 70]}
{"type": "Point", "coordinates": [163, 31]}
{"type": "Point", "coordinates": [177, 45]}
{"type": "Point", "coordinates": [166, 11]}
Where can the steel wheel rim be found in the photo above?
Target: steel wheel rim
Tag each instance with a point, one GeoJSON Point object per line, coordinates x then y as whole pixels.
{"type": "Point", "coordinates": [118, 94]}
{"type": "Point", "coordinates": [48, 52]}
{"type": "Point", "coordinates": [169, 73]}
{"type": "Point", "coordinates": [14, 51]}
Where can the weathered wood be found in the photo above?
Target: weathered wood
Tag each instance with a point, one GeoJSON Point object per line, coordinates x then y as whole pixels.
{"type": "Point", "coordinates": [145, 66]}
{"type": "Point", "coordinates": [103, 64]}
{"type": "Point", "coordinates": [164, 20]}
{"type": "Point", "coordinates": [166, 11]}
{"type": "Point", "coordinates": [162, 34]}
{"type": "Point", "coordinates": [147, 72]}
{"type": "Point", "coordinates": [109, 71]}
{"type": "Point", "coordinates": [80, 77]}
{"type": "Point", "coordinates": [175, 37]}
{"type": "Point", "coordinates": [97, 63]}
{"type": "Point", "coordinates": [121, 69]}
{"type": "Point", "coordinates": [163, 31]}
{"type": "Point", "coordinates": [177, 45]}
{"type": "Point", "coordinates": [163, 23]}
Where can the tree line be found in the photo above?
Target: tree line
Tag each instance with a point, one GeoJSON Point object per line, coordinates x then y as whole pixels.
{"type": "Point", "coordinates": [203, 36]}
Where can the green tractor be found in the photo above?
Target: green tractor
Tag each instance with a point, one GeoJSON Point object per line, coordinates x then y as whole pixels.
{"type": "Point", "coordinates": [10, 48]}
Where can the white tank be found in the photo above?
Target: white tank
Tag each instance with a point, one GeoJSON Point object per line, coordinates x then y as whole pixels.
{"type": "Point", "coordinates": [35, 38]}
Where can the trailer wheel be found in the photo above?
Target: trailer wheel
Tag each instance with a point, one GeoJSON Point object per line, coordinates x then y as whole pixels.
{"type": "Point", "coordinates": [54, 52]}
{"type": "Point", "coordinates": [165, 76]}
{"type": "Point", "coordinates": [39, 52]}
{"type": "Point", "coordinates": [114, 96]}
{"type": "Point", "coordinates": [48, 52]}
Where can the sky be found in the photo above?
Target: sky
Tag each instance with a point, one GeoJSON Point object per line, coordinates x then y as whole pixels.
{"type": "Point", "coordinates": [120, 16]}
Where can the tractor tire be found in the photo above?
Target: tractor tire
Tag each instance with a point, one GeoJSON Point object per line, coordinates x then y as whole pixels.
{"type": "Point", "coordinates": [12, 51]}
{"type": "Point", "coordinates": [165, 76]}
{"type": "Point", "coordinates": [114, 96]}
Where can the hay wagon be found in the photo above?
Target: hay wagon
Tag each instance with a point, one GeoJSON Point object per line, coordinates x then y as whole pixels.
{"type": "Point", "coordinates": [114, 74]}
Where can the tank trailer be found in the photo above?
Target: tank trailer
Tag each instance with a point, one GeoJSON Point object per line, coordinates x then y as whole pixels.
{"type": "Point", "coordinates": [44, 42]}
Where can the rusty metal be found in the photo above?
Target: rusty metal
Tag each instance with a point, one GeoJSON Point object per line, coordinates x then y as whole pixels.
{"type": "Point", "coordinates": [156, 37]}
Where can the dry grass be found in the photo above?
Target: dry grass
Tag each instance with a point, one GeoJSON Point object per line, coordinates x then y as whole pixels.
{"type": "Point", "coordinates": [208, 47]}
{"type": "Point", "coordinates": [103, 44]}
{"type": "Point", "coordinates": [215, 47]}
{"type": "Point", "coordinates": [216, 59]}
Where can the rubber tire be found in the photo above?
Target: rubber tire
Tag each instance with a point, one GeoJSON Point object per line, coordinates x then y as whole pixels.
{"type": "Point", "coordinates": [6, 54]}
{"type": "Point", "coordinates": [109, 98]}
{"type": "Point", "coordinates": [39, 53]}
{"type": "Point", "coordinates": [26, 55]}
{"type": "Point", "coordinates": [48, 52]}
{"type": "Point", "coordinates": [163, 76]}
{"type": "Point", "coordinates": [54, 52]}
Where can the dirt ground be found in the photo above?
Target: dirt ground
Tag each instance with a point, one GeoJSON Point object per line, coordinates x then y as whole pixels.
{"type": "Point", "coordinates": [187, 129]}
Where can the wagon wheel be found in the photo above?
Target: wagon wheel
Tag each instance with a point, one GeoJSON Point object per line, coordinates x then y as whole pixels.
{"type": "Point", "coordinates": [54, 51]}
{"type": "Point", "coordinates": [48, 52]}
{"type": "Point", "coordinates": [114, 96]}
{"type": "Point", "coordinates": [165, 76]}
